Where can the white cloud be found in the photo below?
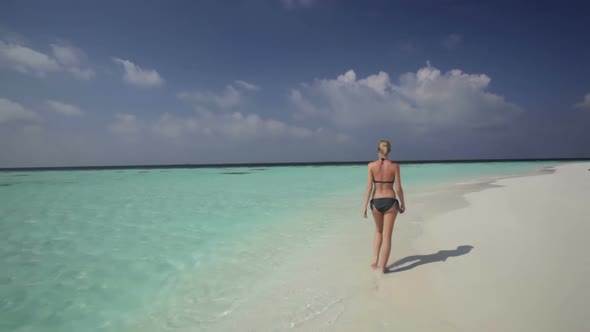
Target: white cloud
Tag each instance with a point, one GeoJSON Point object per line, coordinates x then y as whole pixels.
{"type": "Point", "coordinates": [452, 41]}
{"type": "Point", "coordinates": [301, 103]}
{"type": "Point", "coordinates": [427, 99]}
{"type": "Point", "coordinates": [247, 126]}
{"type": "Point", "coordinates": [72, 58]}
{"type": "Point", "coordinates": [27, 60]}
{"type": "Point", "coordinates": [584, 104]}
{"type": "Point", "coordinates": [236, 127]}
{"type": "Point", "coordinates": [13, 112]}
{"type": "Point", "coordinates": [247, 86]}
{"type": "Point", "coordinates": [228, 98]}
{"type": "Point", "coordinates": [63, 108]}
{"type": "Point", "coordinates": [67, 55]}
{"type": "Point", "coordinates": [231, 96]}
{"type": "Point", "coordinates": [137, 76]}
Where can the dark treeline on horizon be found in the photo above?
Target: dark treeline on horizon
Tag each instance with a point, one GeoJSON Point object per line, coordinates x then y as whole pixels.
{"type": "Point", "coordinates": [287, 164]}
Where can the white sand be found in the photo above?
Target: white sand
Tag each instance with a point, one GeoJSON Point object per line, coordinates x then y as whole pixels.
{"type": "Point", "coordinates": [529, 269]}
{"type": "Point", "coordinates": [523, 265]}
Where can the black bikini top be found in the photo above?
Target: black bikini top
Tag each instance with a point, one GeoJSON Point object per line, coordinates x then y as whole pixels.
{"type": "Point", "coordinates": [375, 181]}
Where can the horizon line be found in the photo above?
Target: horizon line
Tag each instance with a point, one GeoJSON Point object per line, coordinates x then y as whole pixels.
{"type": "Point", "coordinates": [278, 164]}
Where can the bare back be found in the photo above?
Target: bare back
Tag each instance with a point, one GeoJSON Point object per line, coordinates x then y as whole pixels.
{"type": "Point", "coordinates": [384, 174]}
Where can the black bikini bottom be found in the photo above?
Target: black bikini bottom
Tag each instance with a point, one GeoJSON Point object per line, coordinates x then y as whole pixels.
{"type": "Point", "coordinates": [383, 204]}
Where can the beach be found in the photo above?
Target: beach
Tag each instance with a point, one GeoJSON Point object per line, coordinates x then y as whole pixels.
{"type": "Point", "coordinates": [528, 270]}
{"type": "Point", "coordinates": [481, 247]}
{"type": "Point", "coordinates": [504, 255]}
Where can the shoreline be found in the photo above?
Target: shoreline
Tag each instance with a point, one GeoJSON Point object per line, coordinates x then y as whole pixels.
{"type": "Point", "coordinates": [348, 296]}
{"type": "Point", "coordinates": [516, 276]}
{"type": "Point", "coordinates": [443, 198]}
{"type": "Point", "coordinates": [322, 280]}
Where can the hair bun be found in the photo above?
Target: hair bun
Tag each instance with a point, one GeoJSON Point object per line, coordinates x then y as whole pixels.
{"type": "Point", "coordinates": [384, 146]}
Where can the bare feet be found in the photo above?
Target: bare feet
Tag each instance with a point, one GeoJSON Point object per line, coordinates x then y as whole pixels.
{"type": "Point", "coordinates": [374, 265]}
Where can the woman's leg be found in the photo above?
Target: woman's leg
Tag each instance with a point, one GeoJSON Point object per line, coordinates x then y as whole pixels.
{"type": "Point", "coordinates": [378, 216]}
{"type": "Point", "coordinates": [388, 221]}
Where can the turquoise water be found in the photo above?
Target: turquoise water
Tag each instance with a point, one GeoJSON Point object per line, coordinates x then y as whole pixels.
{"type": "Point", "coordinates": [114, 250]}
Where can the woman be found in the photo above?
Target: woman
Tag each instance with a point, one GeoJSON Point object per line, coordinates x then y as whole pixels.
{"type": "Point", "coordinates": [384, 204]}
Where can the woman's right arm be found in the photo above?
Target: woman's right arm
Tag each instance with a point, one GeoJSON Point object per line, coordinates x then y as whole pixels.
{"type": "Point", "coordinates": [368, 190]}
{"type": "Point", "coordinates": [398, 188]}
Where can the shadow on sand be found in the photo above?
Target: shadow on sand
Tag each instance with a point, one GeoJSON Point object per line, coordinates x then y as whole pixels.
{"type": "Point", "coordinates": [418, 260]}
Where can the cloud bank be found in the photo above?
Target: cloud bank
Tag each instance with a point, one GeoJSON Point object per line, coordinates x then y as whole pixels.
{"type": "Point", "coordinates": [425, 99]}
{"type": "Point", "coordinates": [64, 58]}
{"type": "Point", "coordinates": [428, 114]}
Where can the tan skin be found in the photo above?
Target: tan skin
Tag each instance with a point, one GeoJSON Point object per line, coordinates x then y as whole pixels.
{"type": "Point", "coordinates": [383, 221]}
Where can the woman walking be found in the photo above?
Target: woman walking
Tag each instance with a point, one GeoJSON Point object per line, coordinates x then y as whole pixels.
{"type": "Point", "coordinates": [382, 175]}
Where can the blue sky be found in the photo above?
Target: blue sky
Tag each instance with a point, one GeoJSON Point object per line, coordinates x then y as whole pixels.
{"type": "Point", "coordinates": [165, 82]}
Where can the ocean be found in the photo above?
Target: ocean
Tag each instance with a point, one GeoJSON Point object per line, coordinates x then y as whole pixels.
{"type": "Point", "coordinates": [172, 249]}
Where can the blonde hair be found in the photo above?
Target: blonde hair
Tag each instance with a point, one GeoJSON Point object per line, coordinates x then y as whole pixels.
{"type": "Point", "coordinates": [384, 146]}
